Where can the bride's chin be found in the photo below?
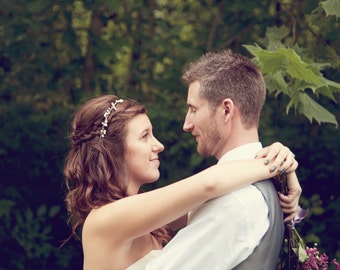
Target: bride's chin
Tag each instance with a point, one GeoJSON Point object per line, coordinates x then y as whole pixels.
{"type": "Point", "coordinates": [155, 179]}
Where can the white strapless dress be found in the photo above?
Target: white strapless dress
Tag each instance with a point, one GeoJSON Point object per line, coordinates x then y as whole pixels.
{"type": "Point", "coordinates": [141, 263]}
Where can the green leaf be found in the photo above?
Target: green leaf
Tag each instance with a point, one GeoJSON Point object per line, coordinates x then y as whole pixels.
{"type": "Point", "coordinates": [285, 72]}
{"type": "Point", "coordinates": [195, 159]}
{"type": "Point", "coordinates": [36, 6]}
{"type": "Point", "coordinates": [331, 7]}
{"type": "Point", "coordinates": [312, 110]}
{"type": "Point", "coordinates": [275, 36]}
{"type": "Point", "coordinates": [6, 207]}
{"type": "Point", "coordinates": [41, 210]}
{"type": "Point", "coordinates": [297, 68]}
{"type": "Point", "coordinates": [112, 4]}
{"type": "Point", "coordinates": [324, 90]}
{"type": "Point", "coordinates": [253, 49]}
{"type": "Point", "coordinates": [282, 59]}
{"type": "Point", "coordinates": [54, 210]}
{"type": "Point", "coordinates": [270, 61]}
{"type": "Point", "coordinates": [47, 230]}
{"type": "Point", "coordinates": [276, 83]}
{"type": "Point", "coordinates": [29, 214]}
{"type": "Point", "coordinates": [302, 254]}
{"type": "Point", "coordinates": [331, 86]}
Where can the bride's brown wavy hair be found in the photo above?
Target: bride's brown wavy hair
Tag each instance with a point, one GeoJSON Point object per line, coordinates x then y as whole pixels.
{"type": "Point", "coordinates": [94, 167]}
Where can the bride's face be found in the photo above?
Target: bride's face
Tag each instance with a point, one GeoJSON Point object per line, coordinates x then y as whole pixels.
{"type": "Point", "coordinates": [142, 150]}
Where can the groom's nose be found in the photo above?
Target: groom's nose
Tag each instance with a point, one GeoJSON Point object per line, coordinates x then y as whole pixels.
{"type": "Point", "coordinates": [188, 125]}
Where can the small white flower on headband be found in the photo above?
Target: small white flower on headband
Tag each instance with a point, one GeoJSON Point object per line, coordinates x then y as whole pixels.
{"type": "Point", "coordinates": [106, 116]}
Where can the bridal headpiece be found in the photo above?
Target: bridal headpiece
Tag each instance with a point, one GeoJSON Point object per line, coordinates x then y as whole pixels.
{"type": "Point", "coordinates": [106, 116]}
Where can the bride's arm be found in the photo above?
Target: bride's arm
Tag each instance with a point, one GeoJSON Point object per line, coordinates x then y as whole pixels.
{"type": "Point", "coordinates": [139, 214]}
{"type": "Point", "coordinates": [282, 158]}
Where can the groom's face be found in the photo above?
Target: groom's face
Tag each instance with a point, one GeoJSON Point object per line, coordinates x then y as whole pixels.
{"type": "Point", "coordinates": [201, 121]}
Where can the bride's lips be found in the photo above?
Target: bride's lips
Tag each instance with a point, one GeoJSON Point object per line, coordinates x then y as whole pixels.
{"type": "Point", "coordinates": [155, 160]}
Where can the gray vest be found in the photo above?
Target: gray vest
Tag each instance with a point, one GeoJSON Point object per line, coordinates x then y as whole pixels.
{"type": "Point", "coordinates": [265, 255]}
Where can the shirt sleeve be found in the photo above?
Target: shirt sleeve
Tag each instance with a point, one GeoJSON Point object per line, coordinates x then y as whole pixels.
{"type": "Point", "coordinates": [219, 235]}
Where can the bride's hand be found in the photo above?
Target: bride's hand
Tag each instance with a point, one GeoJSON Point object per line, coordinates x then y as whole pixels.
{"type": "Point", "coordinates": [279, 157]}
{"type": "Point", "coordinates": [289, 203]}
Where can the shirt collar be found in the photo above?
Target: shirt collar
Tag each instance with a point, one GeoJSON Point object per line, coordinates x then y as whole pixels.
{"type": "Point", "coordinates": [246, 151]}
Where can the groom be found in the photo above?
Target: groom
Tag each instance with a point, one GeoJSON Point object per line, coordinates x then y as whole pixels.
{"type": "Point", "coordinates": [243, 229]}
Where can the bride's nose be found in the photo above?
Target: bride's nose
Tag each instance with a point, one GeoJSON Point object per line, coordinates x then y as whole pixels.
{"type": "Point", "coordinates": [157, 146]}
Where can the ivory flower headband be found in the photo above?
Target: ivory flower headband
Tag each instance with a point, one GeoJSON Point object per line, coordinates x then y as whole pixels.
{"type": "Point", "coordinates": [107, 113]}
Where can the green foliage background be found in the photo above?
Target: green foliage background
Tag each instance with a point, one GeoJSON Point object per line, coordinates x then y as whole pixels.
{"type": "Point", "coordinates": [54, 55]}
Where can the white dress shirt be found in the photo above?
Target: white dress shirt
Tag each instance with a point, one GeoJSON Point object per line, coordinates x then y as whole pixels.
{"type": "Point", "coordinates": [222, 232]}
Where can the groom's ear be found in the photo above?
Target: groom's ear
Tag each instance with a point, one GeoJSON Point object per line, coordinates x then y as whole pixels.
{"type": "Point", "coordinates": [228, 108]}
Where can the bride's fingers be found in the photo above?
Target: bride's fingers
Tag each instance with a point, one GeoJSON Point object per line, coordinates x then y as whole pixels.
{"type": "Point", "coordinates": [289, 217]}
{"type": "Point", "coordinates": [289, 165]}
{"type": "Point", "coordinates": [270, 152]}
{"type": "Point", "coordinates": [279, 156]}
{"type": "Point", "coordinates": [290, 202]}
{"type": "Point", "coordinates": [283, 166]}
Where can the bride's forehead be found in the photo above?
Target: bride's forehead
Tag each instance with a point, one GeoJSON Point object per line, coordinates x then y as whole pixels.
{"type": "Point", "coordinates": [139, 122]}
